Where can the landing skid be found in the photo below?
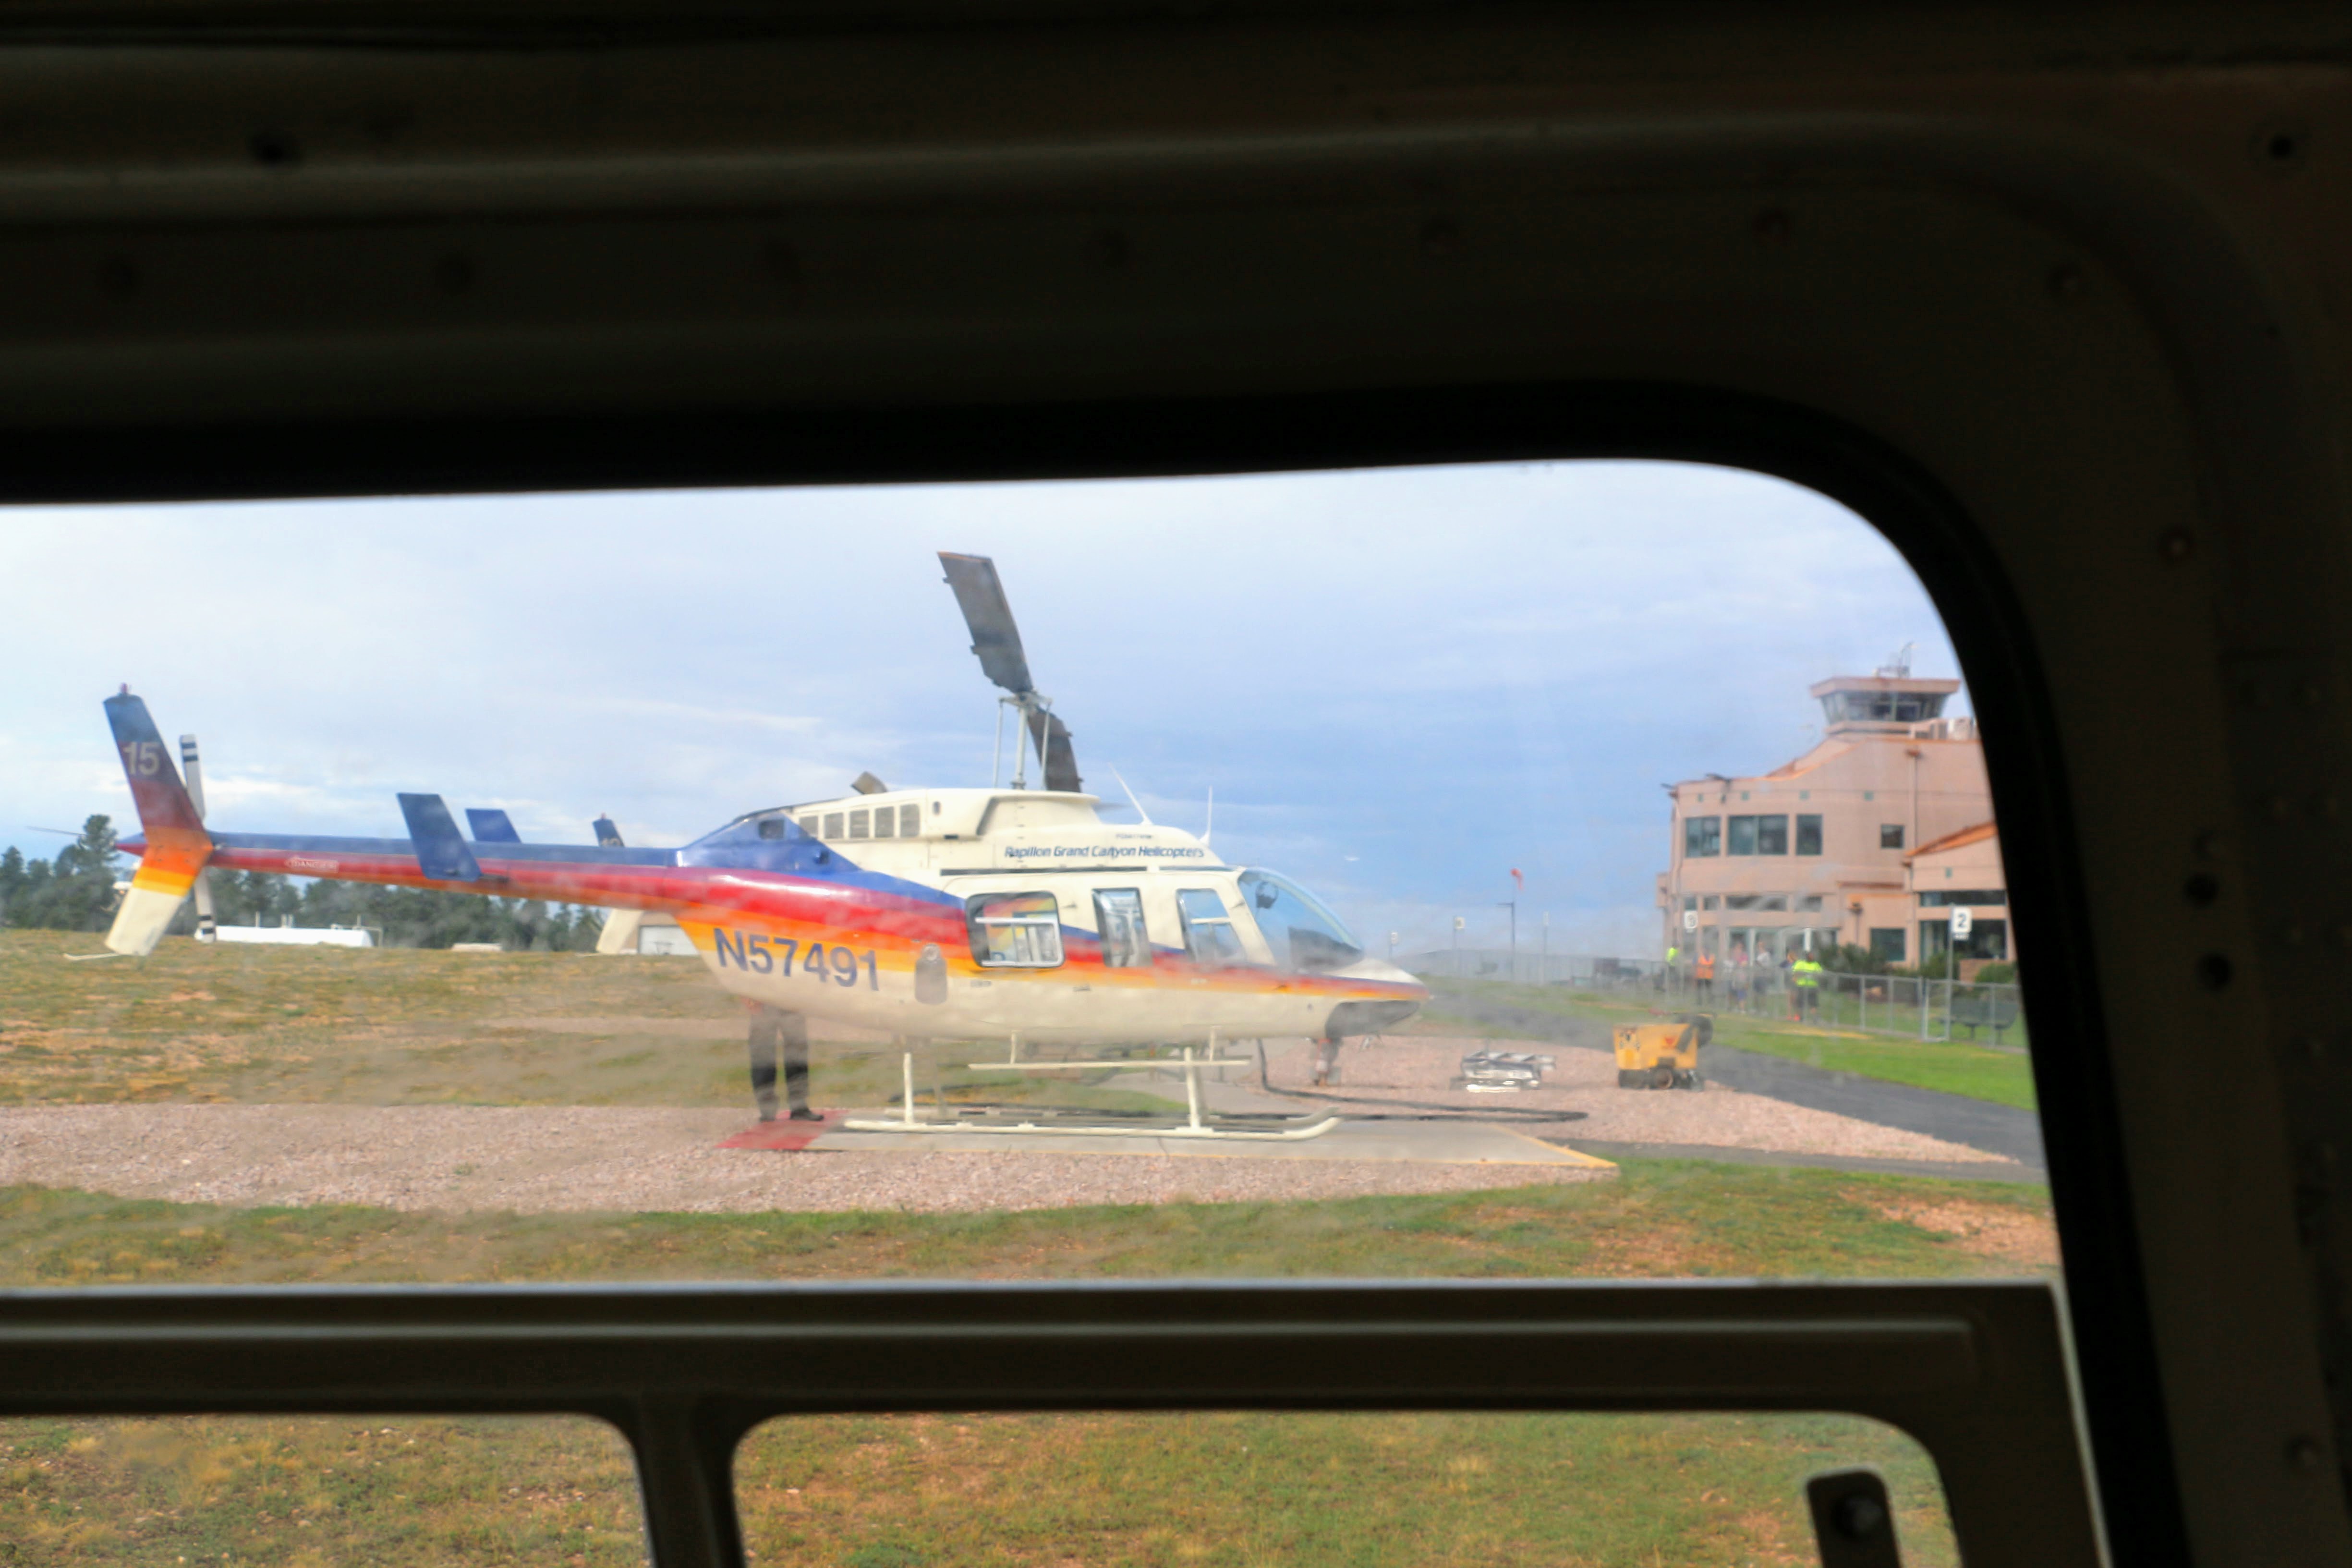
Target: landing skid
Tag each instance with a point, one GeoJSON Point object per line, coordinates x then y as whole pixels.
{"type": "Point", "coordinates": [1195, 1126]}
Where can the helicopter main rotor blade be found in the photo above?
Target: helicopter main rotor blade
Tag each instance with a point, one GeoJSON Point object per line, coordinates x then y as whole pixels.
{"type": "Point", "coordinates": [1052, 738]}
{"type": "Point", "coordinates": [995, 638]}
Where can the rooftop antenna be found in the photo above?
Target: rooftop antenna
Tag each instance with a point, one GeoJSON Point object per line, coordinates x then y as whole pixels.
{"type": "Point", "coordinates": [1130, 798]}
{"type": "Point", "coordinates": [1898, 664]}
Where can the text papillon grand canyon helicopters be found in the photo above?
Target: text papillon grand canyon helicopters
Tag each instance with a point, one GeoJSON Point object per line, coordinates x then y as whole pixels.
{"type": "Point", "coordinates": [927, 913]}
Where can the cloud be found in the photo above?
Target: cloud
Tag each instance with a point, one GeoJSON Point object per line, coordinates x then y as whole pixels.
{"type": "Point", "coordinates": [1399, 683]}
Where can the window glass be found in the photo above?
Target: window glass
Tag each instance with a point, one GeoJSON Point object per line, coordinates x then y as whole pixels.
{"type": "Point", "coordinates": [1304, 935]}
{"type": "Point", "coordinates": [1118, 921]}
{"type": "Point", "coordinates": [858, 821]}
{"type": "Point", "coordinates": [1320, 1489]}
{"type": "Point", "coordinates": [1890, 836]}
{"type": "Point", "coordinates": [1453, 758]}
{"type": "Point", "coordinates": [1016, 930]}
{"type": "Point", "coordinates": [1209, 935]}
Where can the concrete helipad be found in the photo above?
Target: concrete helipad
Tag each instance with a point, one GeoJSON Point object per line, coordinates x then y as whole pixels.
{"type": "Point", "coordinates": [1449, 1141]}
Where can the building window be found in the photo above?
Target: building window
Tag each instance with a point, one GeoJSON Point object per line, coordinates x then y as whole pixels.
{"type": "Point", "coordinates": [1986, 939]}
{"type": "Point", "coordinates": [1710, 901]}
{"type": "Point", "coordinates": [1690, 900]}
{"type": "Point", "coordinates": [1702, 836]}
{"type": "Point", "coordinates": [1809, 835]}
{"type": "Point", "coordinates": [1967, 897]}
{"type": "Point", "coordinates": [1755, 901]}
{"type": "Point", "coordinates": [1772, 835]}
{"type": "Point", "coordinates": [1742, 836]}
{"type": "Point", "coordinates": [1118, 919]}
{"type": "Point", "coordinates": [832, 824]}
{"type": "Point", "coordinates": [1886, 944]}
{"type": "Point", "coordinates": [1015, 931]}
{"type": "Point", "coordinates": [1811, 903]}
{"type": "Point", "coordinates": [1890, 836]}
{"type": "Point", "coordinates": [910, 820]}
{"type": "Point", "coordinates": [1209, 935]}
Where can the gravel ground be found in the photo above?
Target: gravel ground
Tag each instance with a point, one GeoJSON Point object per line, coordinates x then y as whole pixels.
{"type": "Point", "coordinates": [533, 1160]}
{"type": "Point", "coordinates": [1419, 1067]}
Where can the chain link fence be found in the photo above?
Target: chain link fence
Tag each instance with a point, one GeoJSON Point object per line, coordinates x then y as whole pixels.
{"type": "Point", "coordinates": [1892, 1004]}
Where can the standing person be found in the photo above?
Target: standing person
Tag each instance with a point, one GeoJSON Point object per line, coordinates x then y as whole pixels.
{"type": "Point", "coordinates": [1666, 974]}
{"type": "Point", "coordinates": [1805, 977]}
{"type": "Point", "coordinates": [1706, 977]}
{"type": "Point", "coordinates": [1739, 977]}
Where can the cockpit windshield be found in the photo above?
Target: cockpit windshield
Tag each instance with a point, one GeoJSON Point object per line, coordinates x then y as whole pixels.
{"type": "Point", "coordinates": [1304, 935]}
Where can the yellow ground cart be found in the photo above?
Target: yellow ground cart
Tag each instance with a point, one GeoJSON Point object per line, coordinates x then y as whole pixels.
{"type": "Point", "coordinates": [1663, 1055]}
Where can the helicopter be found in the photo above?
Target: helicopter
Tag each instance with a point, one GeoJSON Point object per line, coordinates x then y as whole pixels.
{"type": "Point", "coordinates": [957, 913]}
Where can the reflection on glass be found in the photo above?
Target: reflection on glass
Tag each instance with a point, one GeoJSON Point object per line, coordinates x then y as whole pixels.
{"type": "Point", "coordinates": [880, 861]}
{"type": "Point", "coordinates": [392, 1491]}
{"type": "Point", "coordinates": [1313, 1490]}
{"type": "Point", "coordinates": [1304, 935]}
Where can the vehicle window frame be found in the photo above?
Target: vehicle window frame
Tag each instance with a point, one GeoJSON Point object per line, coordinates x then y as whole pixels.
{"type": "Point", "coordinates": [976, 921]}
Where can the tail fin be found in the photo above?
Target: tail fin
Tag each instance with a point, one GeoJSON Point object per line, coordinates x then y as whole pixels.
{"type": "Point", "coordinates": [177, 845]}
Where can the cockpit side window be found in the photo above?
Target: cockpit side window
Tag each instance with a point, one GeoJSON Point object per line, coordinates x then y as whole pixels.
{"type": "Point", "coordinates": [1304, 935]}
{"type": "Point", "coordinates": [1209, 935]}
{"type": "Point", "coordinates": [1014, 931]}
{"type": "Point", "coordinates": [1118, 920]}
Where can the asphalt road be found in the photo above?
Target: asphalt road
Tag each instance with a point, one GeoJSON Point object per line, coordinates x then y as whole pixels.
{"type": "Point", "coordinates": [1980, 1124]}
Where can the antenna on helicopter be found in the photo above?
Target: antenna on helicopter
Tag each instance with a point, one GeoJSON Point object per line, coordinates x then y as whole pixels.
{"type": "Point", "coordinates": [1130, 796]}
{"type": "Point", "coordinates": [997, 642]}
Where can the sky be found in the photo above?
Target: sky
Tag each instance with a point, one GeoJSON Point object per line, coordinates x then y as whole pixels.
{"type": "Point", "coordinates": [1400, 684]}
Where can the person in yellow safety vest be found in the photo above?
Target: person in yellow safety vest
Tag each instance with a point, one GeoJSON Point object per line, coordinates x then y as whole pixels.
{"type": "Point", "coordinates": [1706, 976]}
{"type": "Point", "coordinates": [1804, 980]}
{"type": "Point", "coordinates": [1670, 974]}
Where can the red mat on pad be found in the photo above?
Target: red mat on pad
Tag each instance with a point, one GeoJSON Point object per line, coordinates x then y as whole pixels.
{"type": "Point", "coordinates": [782, 1134]}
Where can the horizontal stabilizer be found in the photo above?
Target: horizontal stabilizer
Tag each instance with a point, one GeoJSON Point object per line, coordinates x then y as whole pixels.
{"type": "Point", "coordinates": [441, 851]}
{"type": "Point", "coordinates": [491, 827]}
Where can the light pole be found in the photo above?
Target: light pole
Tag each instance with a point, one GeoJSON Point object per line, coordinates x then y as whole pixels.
{"type": "Point", "coordinates": [1458, 923]}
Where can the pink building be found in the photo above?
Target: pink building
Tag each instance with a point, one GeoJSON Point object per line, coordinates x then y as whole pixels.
{"type": "Point", "coordinates": [1828, 848]}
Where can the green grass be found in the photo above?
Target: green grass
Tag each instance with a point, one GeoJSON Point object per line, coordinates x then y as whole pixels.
{"type": "Point", "coordinates": [1312, 1490]}
{"type": "Point", "coordinates": [2005, 1078]}
{"type": "Point", "coordinates": [404, 1026]}
{"type": "Point", "coordinates": [265, 1026]}
{"type": "Point", "coordinates": [1659, 1218]}
{"type": "Point", "coordinates": [399, 1492]}
{"type": "Point", "coordinates": [911, 1491]}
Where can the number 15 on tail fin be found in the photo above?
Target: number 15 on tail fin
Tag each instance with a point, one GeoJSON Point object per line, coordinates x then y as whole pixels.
{"type": "Point", "coordinates": [177, 845]}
